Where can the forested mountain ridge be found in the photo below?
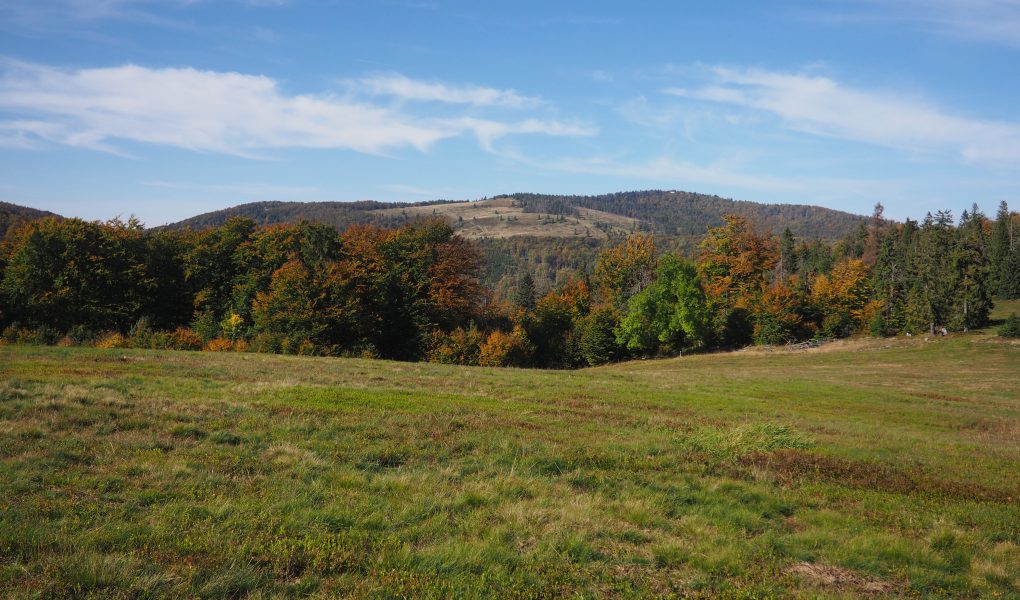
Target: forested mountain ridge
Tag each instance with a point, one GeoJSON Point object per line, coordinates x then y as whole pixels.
{"type": "Point", "coordinates": [13, 215]}
{"type": "Point", "coordinates": [689, 214]}
{"type": "Point", "coordinates": [670, 213]}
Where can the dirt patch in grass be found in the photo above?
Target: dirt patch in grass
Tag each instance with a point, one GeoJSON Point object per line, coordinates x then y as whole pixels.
{"type": "Point", "coordinates": [840, 579]}
{"type": "Point", "coordinates": [790, 466]}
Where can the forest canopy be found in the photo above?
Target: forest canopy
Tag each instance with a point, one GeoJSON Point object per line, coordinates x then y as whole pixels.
{"type": "Point", "coordinates": [416, 291]}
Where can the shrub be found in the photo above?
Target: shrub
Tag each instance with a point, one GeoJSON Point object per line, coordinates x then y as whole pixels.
{"type": "Point", "coordinates": [459, 347]}
{"type": "Point", "coordinates": [112, 340]}
{"type": "Point", "coordinates": [141, 335]}
{"type": "Point", "coordinates": [185, 339]}
{"type": "Point", "coordinates": [505, 349]}
{"type": "Point", "coordinates": [81, 335]}
{"type": "Point", "coordinates": [219, 345]}
{"type": "Point", "coordinates": [1011, 328]}
{"type": "Point", "coordinates": [267, 342]}
{"type": "Point", "coordinates": [207, 325]}
{"type": "Point", "coordinates": [772, 330]}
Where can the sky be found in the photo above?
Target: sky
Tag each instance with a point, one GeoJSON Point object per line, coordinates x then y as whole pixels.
{"type": "Point", "coordinates": [167, 109]}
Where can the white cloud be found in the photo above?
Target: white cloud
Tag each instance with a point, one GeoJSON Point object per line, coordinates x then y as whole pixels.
{"type": "Point", "coordinates": [404, 88]}
{"type": "Point", "coordinates": [209, 111]}
{"type": "Point", "coordinates": [822, 106]}
{"type": "Point", "coordinates": [488, 131]}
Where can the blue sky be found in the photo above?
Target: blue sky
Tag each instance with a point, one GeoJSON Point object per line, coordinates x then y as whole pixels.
{"type": "Point", "coordinates": [166, 109]}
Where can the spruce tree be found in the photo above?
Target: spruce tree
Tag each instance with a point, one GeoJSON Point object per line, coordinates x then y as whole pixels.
{"type": "Point", "coordinates": [973, 297]}
{"type": "Point", "coordinates": [524, 295]}
{"type": "Point", "coordinates": [1009, 285]}
{"type": "Point", "coordinates": [999, 248]}
{"type": "Point", "coordinates": [933, 289]}
{"type": "Point", "coordinates": [889, 281]}
{"type": "Point", "coordinates": [787, 255]}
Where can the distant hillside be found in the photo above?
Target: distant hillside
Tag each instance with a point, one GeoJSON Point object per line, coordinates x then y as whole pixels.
{"type": "Point", "coordinates": [13, 215]}
{"type": "Point", "coordinates": [338, 214]}
{"type": "Point", "coordinates": [676, 213]}
{"type": "Point", "coordinates": [668, 213]}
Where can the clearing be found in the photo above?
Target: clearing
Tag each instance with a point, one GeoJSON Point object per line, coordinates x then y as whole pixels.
{"type": "Point", "coordinates": [868, 467]}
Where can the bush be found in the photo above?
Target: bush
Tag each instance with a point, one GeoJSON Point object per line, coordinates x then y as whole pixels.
{"type": "Point", "coordinates": [10, 334]}
{"type": "Point", "coordinates": [505, 349]}
{"type": "Point", "coordinates": [267, 342]}
{"type": "Point", "coordinates": [772, 330]}
{"type": "Point", "coordinates": [1011, 328]}
{"type": "Point", "coordinates": [185, 339]}
{"type": "Point", "coordinates": [112, 340]}
{"type": "Point", "coordinates": [81, 335]}
{"type": "Point", "coordinates": [45, 336]}
{"type": "Point", "coordinates": [141, 335]}
{"type": "Point", "coordinates": [219, 345]}
{"type": "Point", "coordinates": [459, 347]}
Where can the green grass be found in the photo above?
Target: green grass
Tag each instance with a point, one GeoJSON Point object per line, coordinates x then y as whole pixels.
{"type": "Point", "coordinates": [885, 467]}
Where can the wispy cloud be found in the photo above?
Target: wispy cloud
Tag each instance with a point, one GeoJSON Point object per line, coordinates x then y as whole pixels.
{"type": "Point", "coordinates": [488, 131]}
{"type": "Point", "coordinates": [413, 190]}
{"type": "Point", "coordinates": [678, 172]}
{"type": "Point", "coordinates": [822, 106]}
{"type": "Point", "coordinates": [985, 21]}
{"type": "Point", "coordinates": [209, 111]}
{"type": "Point", "coordinates": [246, 189]}
{"type": "Point", "coordinates": [27, 16]}
{"type": "Point", "coordinates": [404, 88]}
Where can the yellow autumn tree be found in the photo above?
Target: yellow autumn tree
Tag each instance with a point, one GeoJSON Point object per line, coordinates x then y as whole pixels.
{"type": "Point", "coordinates": [625, 268]}
{"type": "Point", "coordinates": [842, 297]}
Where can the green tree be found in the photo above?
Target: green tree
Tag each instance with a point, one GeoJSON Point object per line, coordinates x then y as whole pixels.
{"type": "Point", "coordinates": [669, 315]}
{"type": "Point", "coordinates": [973, 269]}
{"type": "Point", "coordinates": [999, 246]}
{"type": "Point", "coordinates": [64, 273]}
{"type": "Point", "coordinates": [598, 335]}
{"type": "Point", "coordinates": [787, 255]}
{"type": "Point", "coordinates": [934, 280]}
{"type": "Point", "coordinates": [524, 293]}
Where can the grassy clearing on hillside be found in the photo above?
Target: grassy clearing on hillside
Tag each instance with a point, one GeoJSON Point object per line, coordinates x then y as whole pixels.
{"type": "Point", "coordinates": [883, 467]}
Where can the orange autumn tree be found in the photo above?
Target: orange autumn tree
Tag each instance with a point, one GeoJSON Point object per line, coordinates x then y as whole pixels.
{"type": "Point", "coordinates": [734, 263]}
{"type": "Point", "coordinates": [455, 289]}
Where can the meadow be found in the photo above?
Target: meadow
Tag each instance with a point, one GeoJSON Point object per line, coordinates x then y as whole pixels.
{"type": "Point", "coordinates": [884, 467]}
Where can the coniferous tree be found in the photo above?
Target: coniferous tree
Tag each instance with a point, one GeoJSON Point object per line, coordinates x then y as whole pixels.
{"type": "Point", "coordinates": [999, 249]}
{"type": "Point", "coordinates": [932, 294]}
{"type": "Point", "coordinates": [889, 280]}
{"type": "Point", "coordinates": [524, 294]}
{"type": "Point", "coordinates": [787, 255]}
{"type": "Point", "coordinates": [973, 268]}
{"type": "Point", "coordinates": [1009, 286]}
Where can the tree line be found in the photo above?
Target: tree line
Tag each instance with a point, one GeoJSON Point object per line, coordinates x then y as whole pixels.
{"type": "Point", "coordinates": [415, 292]}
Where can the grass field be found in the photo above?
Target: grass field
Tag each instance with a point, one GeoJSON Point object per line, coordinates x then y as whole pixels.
{"type": "Point", "coordinates": [499, 218]}
{"type": "Point", "coordinates": [871, 467]}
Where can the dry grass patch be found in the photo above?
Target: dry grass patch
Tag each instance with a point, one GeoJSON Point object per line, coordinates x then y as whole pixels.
{"type": "Point", "coordinates": [840, 579]}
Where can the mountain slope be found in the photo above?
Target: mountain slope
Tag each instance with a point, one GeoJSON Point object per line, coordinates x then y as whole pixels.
{"type": "Point", "coordinates": [670, 213]}
{"type": "Point", "coordinates": [14, 215]}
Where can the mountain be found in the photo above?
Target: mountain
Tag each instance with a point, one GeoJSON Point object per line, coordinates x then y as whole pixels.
{"type": "Point", "coordinates": [13, 215]}
{"type": "Point", "coordinates": [667, 213]}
